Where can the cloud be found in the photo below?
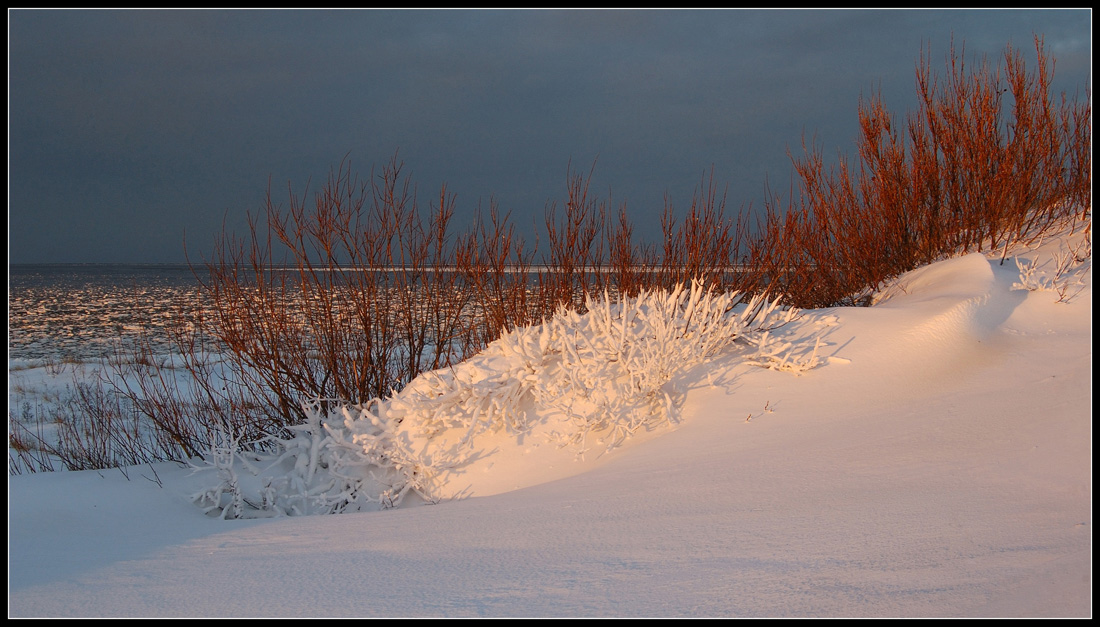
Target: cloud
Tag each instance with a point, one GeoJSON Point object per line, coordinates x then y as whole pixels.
{"type": "Point", "coordinates": [190, 112]}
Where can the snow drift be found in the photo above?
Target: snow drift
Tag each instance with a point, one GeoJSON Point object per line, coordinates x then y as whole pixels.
{"type": "Point", "coordinates": [936, 463]}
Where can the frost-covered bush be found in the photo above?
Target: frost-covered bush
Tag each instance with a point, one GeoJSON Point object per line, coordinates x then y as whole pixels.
{"type": "Point", "coordinates": [605, 373]}
{"type": "Point", "coordinates": [1063, 274]}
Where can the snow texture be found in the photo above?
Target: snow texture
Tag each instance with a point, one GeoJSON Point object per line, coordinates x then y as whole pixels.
{"type": "Point", "coordinates": [931, 459]}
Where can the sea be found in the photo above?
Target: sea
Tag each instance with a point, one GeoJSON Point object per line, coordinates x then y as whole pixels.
{"type": "Point", "coordinates": [76, 313]}
{"type": "Point", "coordinates": [86, 312]}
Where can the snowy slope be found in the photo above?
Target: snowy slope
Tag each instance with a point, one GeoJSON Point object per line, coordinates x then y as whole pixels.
{"type": "Point", "coordinates": [937, 463]}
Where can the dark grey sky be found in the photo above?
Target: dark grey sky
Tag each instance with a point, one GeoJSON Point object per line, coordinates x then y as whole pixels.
{"type": "Point", "coordinates": [129, 128]}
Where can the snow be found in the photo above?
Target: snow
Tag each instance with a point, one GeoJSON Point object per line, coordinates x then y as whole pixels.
{"type": "Point", "coordinates": [936, 463]}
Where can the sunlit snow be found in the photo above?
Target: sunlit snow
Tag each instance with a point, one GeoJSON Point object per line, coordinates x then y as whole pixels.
{"type": "Point", "coordinates": [934, 461]}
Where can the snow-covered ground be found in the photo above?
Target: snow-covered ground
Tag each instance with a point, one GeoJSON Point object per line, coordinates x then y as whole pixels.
{"type": "Point", "coordinates": [937, 463]}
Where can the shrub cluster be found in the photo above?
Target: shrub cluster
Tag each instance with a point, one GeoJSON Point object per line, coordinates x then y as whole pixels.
{"type": "Point", "coordinates": [988, 160]}
{"type": "Point", "coordinates": [574, 381]}
{"type": "Point", "coordinates": [351, 293]}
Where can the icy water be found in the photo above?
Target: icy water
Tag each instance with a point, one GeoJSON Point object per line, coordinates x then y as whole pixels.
{"type": "Point", "coordinates": [85, 312]}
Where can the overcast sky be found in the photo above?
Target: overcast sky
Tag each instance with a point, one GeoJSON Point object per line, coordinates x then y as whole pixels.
{"type": "Point", "coordinates": [128, 129]}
